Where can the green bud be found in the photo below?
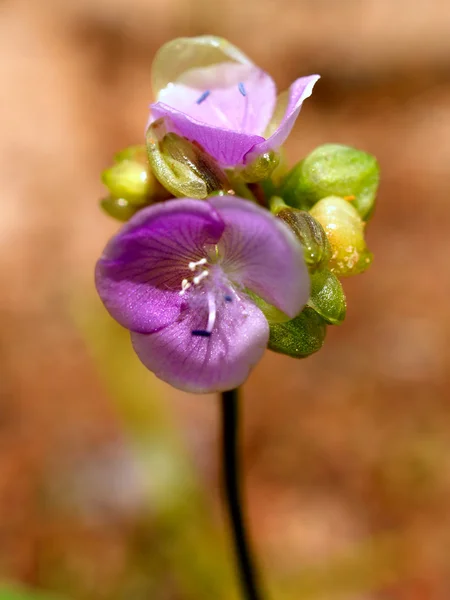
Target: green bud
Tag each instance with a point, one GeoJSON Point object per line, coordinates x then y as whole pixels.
{"type": "Point", "coordinates": [271, 184]}
{"type": "Point", "coordinates": [316, 248]}
{"type": "Point", "coordinates": [137, 153]}
{"type": "Point", "coordinates": [128, 179]}
{"type": "Point", "coordinates": [333, 169]}
{"type": "Point", "coordinates": [118, 208]}
{"type": "Point", "coordinates": [181, 166]}
{"type": "Point", "coordinates": [327, 297]}
{"type": "Point", "coordinates": [299, 337]}
{"type": "Point", "coordinates": [345, 232]}
{"type": "Point", "coordinates": [261, 168]}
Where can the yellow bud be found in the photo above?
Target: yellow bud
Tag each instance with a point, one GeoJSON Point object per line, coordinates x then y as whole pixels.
{"type": "Point", "coordinates": [129, 178]}
{"type": "Point", "coordinates": [344, 229]}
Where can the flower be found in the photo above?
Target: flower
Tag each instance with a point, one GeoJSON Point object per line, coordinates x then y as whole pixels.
{"type": "Point", "coordinates": [211, 93]}
{"type": "Point", "coordinates": [185, 276]}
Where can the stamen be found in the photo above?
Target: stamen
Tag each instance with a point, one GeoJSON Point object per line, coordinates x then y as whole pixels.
{"type": "Point", "coordinates": [212, 313]}
{"type": "Point", "coordinates": [203, 97]}
{"type": "Point", "coordinates": [201, 333]}
{"type": "Point", "coordinates": [228, 298]}
{"type": "Point", "coordinates": [242, 89]}
{"type": "Point", "coordinates": [199, 278]}
{"type": "Point", "coordinates": [193, 265]}
{"type": "Point", "coordinates": [185, 285]}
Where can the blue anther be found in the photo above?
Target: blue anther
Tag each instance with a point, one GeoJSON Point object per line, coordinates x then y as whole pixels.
{"type": "Point", "coordinates": [242, 89]}
{"type": "Point", "coordinates": [201, 333]}
{"type": "Point", "coordinates": [203, 97]}
{"type": "Point", "coordinates": [228, 298]}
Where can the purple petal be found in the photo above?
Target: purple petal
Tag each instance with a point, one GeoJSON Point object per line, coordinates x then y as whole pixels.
{"type": "Point", "coordinates": [139, 275]}
{"type": "Point", "coordinates": [226, 146]}
{"type": "Point", "coordinates": [261, 253]}
{"type": "Point", "coordinates": [298, 92]}
{"type": "Point", "coordinates": [228, 95]}
{"type": "Point", "coordinates": [199, 364]}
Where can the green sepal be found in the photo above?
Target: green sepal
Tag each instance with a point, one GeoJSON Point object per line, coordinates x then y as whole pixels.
{"type": "Point", "coordinates": [299, 337]}
{"type": "Point", "coordinates": [309, 232]}
{"type": "Point", "coordinates": [333, 169]}
{"type": "Point", "coordinates": [327, 297]}
{"type": "Point", "coordinates": [181, 166]}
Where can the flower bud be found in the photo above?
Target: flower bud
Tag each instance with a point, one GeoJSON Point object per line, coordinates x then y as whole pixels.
{"type": "Point", "coordinates": [345, 232]}
{"type": "Point", "coordinates": [261, 168]}
{"type": "Point", "coordinates": [118, 208]}
{"type": "Point", "coordinates": [129, 178]}
{"type": "Point", "coordinates": [181, 166]}
{"type": "Point", "coordinates": [316, 248]}
{"type": "Point", "coordinates": [333, 169]}
{"type": "Point", "coordinates": [298, 337]}
{"type": "Point", "coordinates": [327, 297]}
{"type": "Point", "coordinates": [271, 184]}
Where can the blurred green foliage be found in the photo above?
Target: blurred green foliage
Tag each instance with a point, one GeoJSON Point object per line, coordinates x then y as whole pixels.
{"type": "Point", "coordinates": [15, 592]}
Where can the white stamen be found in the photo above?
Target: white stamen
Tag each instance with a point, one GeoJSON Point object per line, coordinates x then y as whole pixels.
{"type": "Point", "coordinates": [185, 285]}
{"type": "Point", "coordinates": [199, 263]}
{"type": "Point", "coordinates": [211, 313]}
{"type": "Point", "coordinates": [199, 278]}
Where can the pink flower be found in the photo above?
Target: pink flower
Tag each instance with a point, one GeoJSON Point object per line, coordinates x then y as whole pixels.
{"type": "Point", "coordinates": [184, 275]}
{"type": "Point", "coordinates": [212, 94]}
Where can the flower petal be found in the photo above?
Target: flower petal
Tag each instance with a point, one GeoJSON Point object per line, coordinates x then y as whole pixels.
{"type": "Point", "coordinates": [181, 54]}
{"type": "Point", "coordinates": [139, 275]}
{"type": "Point", "coordinates": [228, 95]}
{"type": "Point", "coordinates": [200, 364]}
{"type": "Point", "coordinates": [261, 253]}
{"type": "Point", "coordinates": [298, 92]}
{"type": "Point", "coordinates": [228, 147]}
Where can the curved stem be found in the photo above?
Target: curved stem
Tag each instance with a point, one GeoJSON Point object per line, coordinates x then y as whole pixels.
{"type": "Point", "coordinates": [230, 407]}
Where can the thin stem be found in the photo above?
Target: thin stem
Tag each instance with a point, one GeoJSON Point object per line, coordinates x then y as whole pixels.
{"type": "Point", "coordinates": [230, 419]}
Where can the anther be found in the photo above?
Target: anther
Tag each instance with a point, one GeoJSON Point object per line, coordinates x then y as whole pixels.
{"type": "Point", "coordinates": [185, 285]}
{"type": "Point", "coordinates": [201, 333]}
{"type": "Point", "coordinates": [199, 278]}
{"type": "Point", "coordinates": [193, 265]}
{"type": "Point", "coordinates": [203, 97]}
{"type": "Point", "coordinates": [228, 298]}
{"type": "Point", "coordinates": [242, 89]}
{"type": "Point", "coordinates": [211, 313]}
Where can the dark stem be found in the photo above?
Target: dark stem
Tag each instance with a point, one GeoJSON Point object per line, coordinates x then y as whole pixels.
{"type": "Point", "coordinates": [230, 420]}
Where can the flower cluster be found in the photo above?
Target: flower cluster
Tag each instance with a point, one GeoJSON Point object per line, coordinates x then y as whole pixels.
{"type": "Point", "coordinates": [225, 251]}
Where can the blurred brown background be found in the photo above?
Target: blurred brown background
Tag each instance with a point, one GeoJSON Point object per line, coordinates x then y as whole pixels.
{"type": "Point", "coordinates": [347, 453]}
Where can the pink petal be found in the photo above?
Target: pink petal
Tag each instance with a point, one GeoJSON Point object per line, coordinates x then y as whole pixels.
{"type": "Point", "coordinates": [261, 253]}
{"type": "Point", "coordinates": [206, 364]}
{"type": "Point", "coordinates": [227, 95]}
{"type": "Point", "coordinates": [298, 92]}
{"type": "Point", "coordinates": [139, 275]}
{"type": "Point", "coordinates": [226, 146]}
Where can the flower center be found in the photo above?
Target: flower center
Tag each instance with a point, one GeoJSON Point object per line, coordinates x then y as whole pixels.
{"type": "Point", "coordinates": [207, 286]}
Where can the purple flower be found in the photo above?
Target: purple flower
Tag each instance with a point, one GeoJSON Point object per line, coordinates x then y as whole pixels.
{"type": "Point", "coordinates": [181, 276]}
{"type": "Point", "coordinates": [211, 93]}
